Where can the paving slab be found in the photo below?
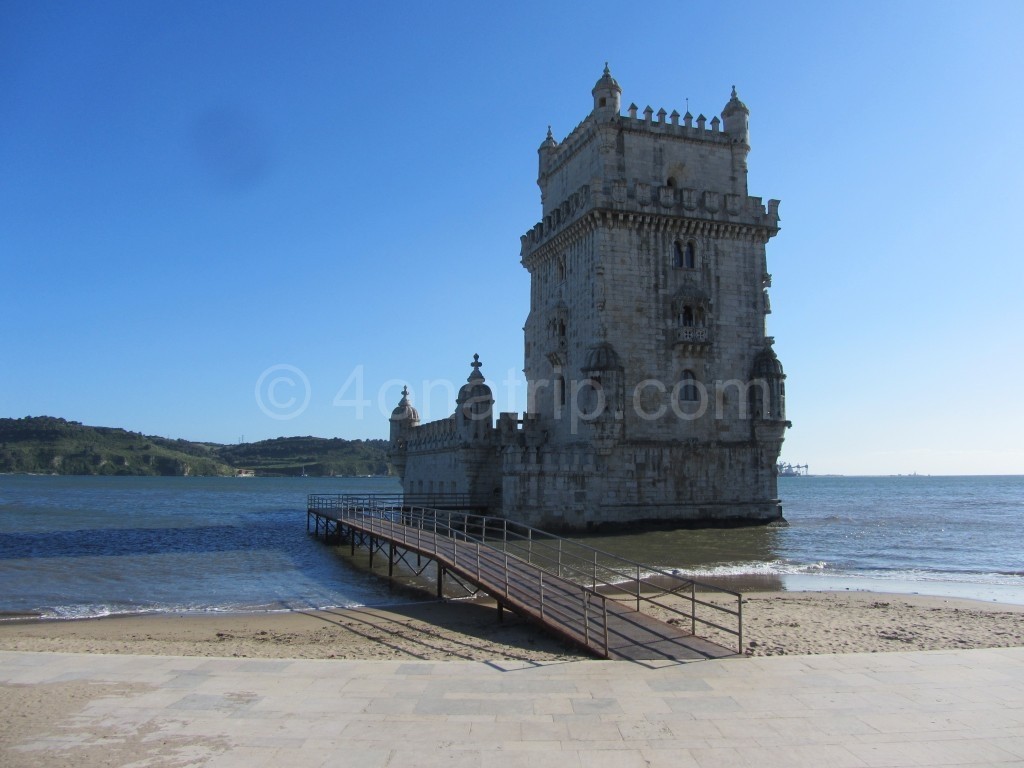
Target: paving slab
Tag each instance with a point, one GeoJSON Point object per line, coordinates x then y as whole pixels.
{"type": "Point", "coordinates": [961, 708]}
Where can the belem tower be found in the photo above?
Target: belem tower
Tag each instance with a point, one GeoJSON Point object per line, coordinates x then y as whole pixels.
{"type": "Point", "coordinates": [654, 394]}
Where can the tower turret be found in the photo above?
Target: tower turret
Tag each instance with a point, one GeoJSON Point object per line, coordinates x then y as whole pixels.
{"type": "Point", "coordinates": [607, 96]}
{"type": "Point", "coordinates": [403, 418]}
{"type": "Point", "coordinates": [544, 151]}
{"type": "Point", "coordinates": [736, 125]}
{"type": "Point", "coordinates": [736, 119]}
{"type": "Point", "coordinates": [474, 405]}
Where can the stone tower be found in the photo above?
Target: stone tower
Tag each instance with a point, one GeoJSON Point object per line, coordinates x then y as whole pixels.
{"type": "Point", "coordinates": [655, 396]}
{"type": "Point", "coordinates": [654, 393]}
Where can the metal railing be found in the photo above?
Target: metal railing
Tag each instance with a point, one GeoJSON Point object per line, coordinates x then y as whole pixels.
{"type": "Point", "coordinates": [438, 500]}
{"type": "Point", "coordinates": [600, 575]}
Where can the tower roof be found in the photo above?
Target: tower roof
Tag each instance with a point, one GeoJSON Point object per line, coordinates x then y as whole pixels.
{"type": "Point", "coordinates": [405, 411]}
{"type": "Point", "coordinates": [767, 365]}
{"type": "Point", "coordinates": [734, 105]}
{"type": "Point", "coordinates": [475, 389]}
{"type": "Point", "coordinates": [549, 140]}
{"type": "Point", "coordinates": [602, 357]}
{"type": "Point", "coordinates": [607, 82]}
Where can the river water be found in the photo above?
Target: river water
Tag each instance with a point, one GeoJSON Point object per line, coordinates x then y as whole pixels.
{"type": "Point", "coordinates": [91, 546]}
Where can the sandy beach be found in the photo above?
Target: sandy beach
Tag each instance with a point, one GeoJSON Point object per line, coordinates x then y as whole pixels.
{"type": "Point", "coordinates": [775, 623]}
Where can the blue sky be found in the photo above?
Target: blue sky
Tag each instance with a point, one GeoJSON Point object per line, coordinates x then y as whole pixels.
{"type": "Point", "coordinates": [196, 198]}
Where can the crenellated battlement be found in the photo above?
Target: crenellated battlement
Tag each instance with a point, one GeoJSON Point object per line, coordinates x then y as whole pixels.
{"type": "Point", "coordinates": [667, 125]}
{"type": "Point", "coordinates": [434, 434]}
{"type": "Point", "coordinates": [702, 131]}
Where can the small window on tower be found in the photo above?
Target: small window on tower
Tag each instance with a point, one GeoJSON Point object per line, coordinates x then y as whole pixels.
{"type": "Point", "coordinates": [690, 256]}
{"type": "Point", "coordinates": [679, 256]}
{"type": "Point", "coordinates": [603, 101]}
{"type": "Point", "coordinates": [688, 388]}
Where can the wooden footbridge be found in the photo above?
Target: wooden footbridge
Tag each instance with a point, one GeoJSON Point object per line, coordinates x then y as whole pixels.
{"type": "Point", "coordinates": [596, 600]}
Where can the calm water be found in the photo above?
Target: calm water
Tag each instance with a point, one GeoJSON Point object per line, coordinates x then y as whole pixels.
{"type": "Point", "coordinates": [87, 546]}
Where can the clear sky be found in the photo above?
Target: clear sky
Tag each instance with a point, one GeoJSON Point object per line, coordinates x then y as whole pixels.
{"type": "Point", "coordinates": [221, 220]}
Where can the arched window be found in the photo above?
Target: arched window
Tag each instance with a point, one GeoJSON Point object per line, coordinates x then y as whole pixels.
{"type": "Point", "coordinates": [671, 182]}
{"type": "Point", "coordinates": [688, 390]}
{"type": "Point", "coordinates": [561, 270]}
{"type": "Point", "coordinates": [559, 392]}
{"type": "Point", "coordinates": [690, 256]}
{"type": "Point", "coordinates": [679, 255]}
{"type": "Point", "coordinates": [687, 317]}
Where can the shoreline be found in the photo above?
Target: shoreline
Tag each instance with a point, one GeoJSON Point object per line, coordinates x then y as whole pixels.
{"type": "Point", "coordinates": [775, 623]}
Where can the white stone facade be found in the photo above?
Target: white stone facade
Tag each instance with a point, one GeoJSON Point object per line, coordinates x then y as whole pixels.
{"type": "Point", "coordinates": [654, 394]}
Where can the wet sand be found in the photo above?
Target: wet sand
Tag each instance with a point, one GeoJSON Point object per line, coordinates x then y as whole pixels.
{"type": "Point", "coordinates": [775, 623]}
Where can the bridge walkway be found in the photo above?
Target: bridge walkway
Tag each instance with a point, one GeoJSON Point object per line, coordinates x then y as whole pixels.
{"type": "Point", "coordinates": [538, 576]}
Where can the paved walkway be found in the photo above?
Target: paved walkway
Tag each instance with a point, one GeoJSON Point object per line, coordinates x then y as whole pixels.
{"type": "Point", "coordinates": [908, 709]}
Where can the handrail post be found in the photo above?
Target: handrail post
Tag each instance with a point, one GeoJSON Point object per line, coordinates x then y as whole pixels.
{"type": "Point", "coordinates": [586, 618]}
{"type": "Point", "coordinates": [604, 602]}
{"type": "Point", "coordinates": [693, 608]}
{"type": "Point", "coordinates": [541, 593]}
{"type": "Point", "coordinates": [638, 588]}
{"type": "Point", "coordinates": [739, 618]}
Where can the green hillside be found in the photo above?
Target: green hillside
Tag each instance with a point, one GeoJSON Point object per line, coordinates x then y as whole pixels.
{"type": "Point", "coordinates": [48, 445]}
{"type": "Point", "coordinates": [317, 456]}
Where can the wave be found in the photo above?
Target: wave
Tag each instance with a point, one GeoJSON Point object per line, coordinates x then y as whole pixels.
{"type": "Point", "coordinates": [782, 567]}
{"type": "Point", "coordinates": [768, 568]}
{"type": "Point", "coordinates": [100, 611]}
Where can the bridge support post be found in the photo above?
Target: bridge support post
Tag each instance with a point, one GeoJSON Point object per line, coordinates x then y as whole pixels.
{"type": "Point", "coordinates": [391, 560]}
{"type": "Point", "coordinates": [501, 613]}
{"type": "Point", "coordinates": [440, 580]}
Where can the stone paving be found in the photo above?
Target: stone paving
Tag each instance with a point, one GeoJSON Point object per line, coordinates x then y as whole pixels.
{"type": "Point", "coordinates": [903, 709]}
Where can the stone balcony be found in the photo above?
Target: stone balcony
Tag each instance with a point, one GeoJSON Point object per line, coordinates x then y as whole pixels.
{"type": "Point", "coordinates": [694, 339]}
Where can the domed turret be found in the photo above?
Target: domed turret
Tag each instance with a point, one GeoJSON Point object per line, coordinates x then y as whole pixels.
{"type": "Point", "coordinates": [473, 406]}
{"type": "Point", "coordinates": [603, 368]}
{"type": "Point", "coordinates": [736, 118]}
{"type": "Point", "coordinates": [607, 95]}
{"type": "Point", "coordinates": [405, 411]}
{"type": "Point", "coordinates": [767, 365]}
{"type": "Point", "coordinates": [544, 151]}
{"type": "Point", "coordinates": [767, 387]}
{"type": "Point", "coordinates": [403, 417]}
{"type": "Point", "coordinates": [475, 389]}
{"type": "Point", "coordinates": [549, 142]}
{"type": "Point", "coordinates": [600, 358]}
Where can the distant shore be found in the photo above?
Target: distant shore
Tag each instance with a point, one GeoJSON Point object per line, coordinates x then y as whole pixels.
{"type": "Point", "coordinates": [775, 623]}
